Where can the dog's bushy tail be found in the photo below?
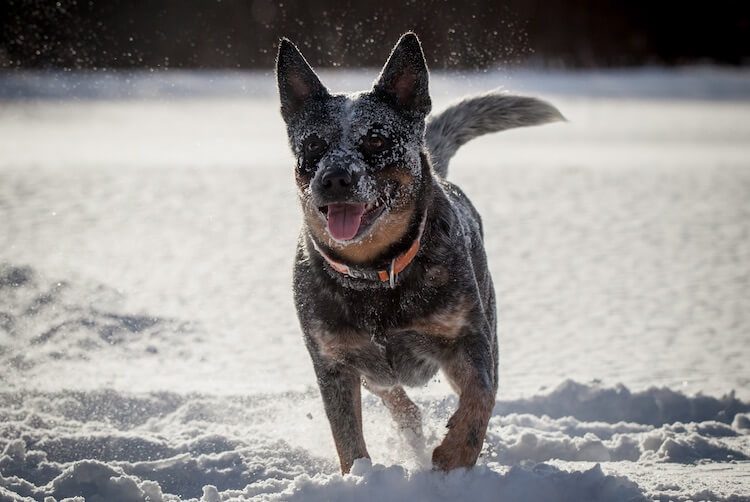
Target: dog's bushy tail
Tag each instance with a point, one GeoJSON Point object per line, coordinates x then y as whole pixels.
{"type": "Point", "coordinates": [472, 117]}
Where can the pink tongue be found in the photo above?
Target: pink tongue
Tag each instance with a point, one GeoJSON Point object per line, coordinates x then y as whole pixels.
{"type": "Point", "coordinates": [344, 220]}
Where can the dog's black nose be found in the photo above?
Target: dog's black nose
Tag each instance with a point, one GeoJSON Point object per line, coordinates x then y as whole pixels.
{"type": "Point", "coordinates": [334, 179]}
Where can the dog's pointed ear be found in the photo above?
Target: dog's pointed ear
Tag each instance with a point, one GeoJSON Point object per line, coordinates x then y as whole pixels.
{"type": "Point", "coordinates": [297, 82]}
{"type": "Point", "coordinates": [404, 80]}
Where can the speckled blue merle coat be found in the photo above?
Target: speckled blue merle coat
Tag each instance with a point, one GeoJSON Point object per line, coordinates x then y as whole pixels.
{"type": "Point", "coordinates": [370, 170]}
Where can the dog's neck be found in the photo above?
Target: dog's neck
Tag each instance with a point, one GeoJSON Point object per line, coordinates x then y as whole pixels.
{"type": "Point", "coordinates": [388, 275]}
{"type": "Point", "coordinates": [400, 257]}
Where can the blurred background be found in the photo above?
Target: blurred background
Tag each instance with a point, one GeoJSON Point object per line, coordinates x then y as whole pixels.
{"type": "Point", "coordinates": [471, 34]}
{"type": "Point", "coordinates": [141, 148]}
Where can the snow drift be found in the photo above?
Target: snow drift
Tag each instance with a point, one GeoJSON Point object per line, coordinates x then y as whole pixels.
{"type": "Point", "coordinates": [107, 444]}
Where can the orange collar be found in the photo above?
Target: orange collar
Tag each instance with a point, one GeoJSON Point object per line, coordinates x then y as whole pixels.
{"type": "Point", "coordinates": [398, 264]}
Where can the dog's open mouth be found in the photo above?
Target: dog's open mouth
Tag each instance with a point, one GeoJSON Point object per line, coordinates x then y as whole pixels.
{"type": "Point", "coordinates": [347, 220]}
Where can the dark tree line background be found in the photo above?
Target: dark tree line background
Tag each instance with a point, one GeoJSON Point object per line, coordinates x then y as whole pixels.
{"type": "Point", "coordinates": [76, 34]}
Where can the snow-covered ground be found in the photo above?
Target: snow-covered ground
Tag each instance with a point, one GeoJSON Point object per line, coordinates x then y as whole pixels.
{"type": "Point", "coordinates": [149, 348]}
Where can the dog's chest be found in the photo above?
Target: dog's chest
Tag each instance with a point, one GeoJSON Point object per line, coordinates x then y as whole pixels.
{"type": "Point", "coordinates": [407, 354]}
{"type": "Point", "coordinates": [385, 359]}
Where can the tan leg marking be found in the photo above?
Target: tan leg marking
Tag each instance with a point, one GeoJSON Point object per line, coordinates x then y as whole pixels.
{"type": "Point", "coordinates": [468, 425]}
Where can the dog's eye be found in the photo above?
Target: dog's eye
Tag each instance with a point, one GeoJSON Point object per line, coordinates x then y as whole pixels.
{"type": "Point", "coordinates": [315, 146]}
{"type": "Point", "coordinates": [374, 142]}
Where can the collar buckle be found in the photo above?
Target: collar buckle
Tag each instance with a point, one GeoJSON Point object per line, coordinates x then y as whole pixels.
{"type": "Point", "coordinates": [392, 274]}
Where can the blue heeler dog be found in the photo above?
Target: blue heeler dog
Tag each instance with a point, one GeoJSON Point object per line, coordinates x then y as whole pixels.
{"type": "Point", "coordinates": [391, 280]}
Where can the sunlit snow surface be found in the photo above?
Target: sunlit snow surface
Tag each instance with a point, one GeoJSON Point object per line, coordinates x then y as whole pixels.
{"type": "Point", "coordinates": [148, 342]}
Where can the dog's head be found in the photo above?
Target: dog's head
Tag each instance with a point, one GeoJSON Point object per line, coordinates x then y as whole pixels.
{"type": "Point", "coordinates": [359, 164]}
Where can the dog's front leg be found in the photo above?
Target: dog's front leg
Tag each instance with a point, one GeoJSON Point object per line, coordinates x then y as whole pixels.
{"type": "Point", "coordinates": [340, 389]}
{"type": "Point", "coordinates": [402, 409]}
{"type": "Point", "coordinates": [470, 374]}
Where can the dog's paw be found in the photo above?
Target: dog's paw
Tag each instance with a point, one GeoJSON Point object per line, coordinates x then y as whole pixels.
{"type": "Point", "coordinates": [449, 456]}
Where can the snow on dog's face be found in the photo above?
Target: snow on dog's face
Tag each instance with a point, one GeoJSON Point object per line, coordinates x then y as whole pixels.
{"type": "Point", "coordinates": [358, 156]}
